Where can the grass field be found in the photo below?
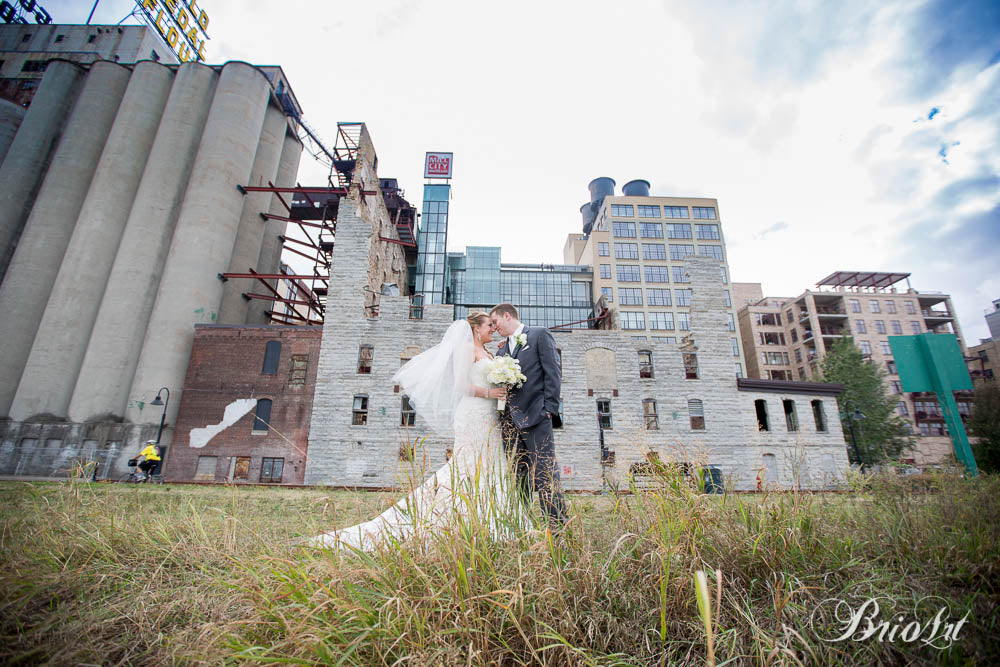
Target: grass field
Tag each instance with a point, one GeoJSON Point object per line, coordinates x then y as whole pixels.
{"type": "Point", "coordinates": [115, 574]}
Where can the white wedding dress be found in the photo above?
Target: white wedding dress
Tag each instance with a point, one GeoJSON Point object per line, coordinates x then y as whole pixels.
{"type": "Point", "coordinates": [473, 486]}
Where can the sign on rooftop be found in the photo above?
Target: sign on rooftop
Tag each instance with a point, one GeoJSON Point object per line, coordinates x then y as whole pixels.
{"type": "Point", "coordinates": [438, 165]}
{"type": "Point", "coordinates": [181, 24]}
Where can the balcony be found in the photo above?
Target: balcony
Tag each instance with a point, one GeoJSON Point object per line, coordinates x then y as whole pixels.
{"type": "Point", "coordinates": [942, 315]}
{"type": "Point", "coordinates": [834, 332]}
{"type": "Point", "coordinates": [830, 313]}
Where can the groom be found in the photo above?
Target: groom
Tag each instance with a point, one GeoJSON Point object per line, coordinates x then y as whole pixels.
{"type": "Point", "coordinates": [532, 410]}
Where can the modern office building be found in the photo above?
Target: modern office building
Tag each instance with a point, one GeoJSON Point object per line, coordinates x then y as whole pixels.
{"type": "Point", "coordinates": [786, 338]}
{"type": "Point", "coordinates": [549, 295]}
{"type": "Point", "coordinates": [637, 244]}
{"type": "Point", "coordinates": [432, 243]}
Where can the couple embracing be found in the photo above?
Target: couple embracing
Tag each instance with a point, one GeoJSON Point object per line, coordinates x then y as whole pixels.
{"type": "Point", "coordinates": [500, 459]}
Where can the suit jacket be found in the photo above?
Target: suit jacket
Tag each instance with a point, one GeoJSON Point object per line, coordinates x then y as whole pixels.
{"type": "Point", "coordinates": [540, 393]}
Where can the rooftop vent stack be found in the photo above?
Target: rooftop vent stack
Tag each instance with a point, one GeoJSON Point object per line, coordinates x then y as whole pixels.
{"type": "Point", "coordinates": [636, 188]}
{"type": "Point", "coordinates": [589, 214]}
{"type": "Point", "coordinates": [600, 188]}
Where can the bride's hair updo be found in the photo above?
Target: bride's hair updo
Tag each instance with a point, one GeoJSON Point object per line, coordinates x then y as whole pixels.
{"type": "Point", "coordinates": [476, 318]}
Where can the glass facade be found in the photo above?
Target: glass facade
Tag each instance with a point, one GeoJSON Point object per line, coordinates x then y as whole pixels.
{"type": "Point", "coordinates": [432, 239]}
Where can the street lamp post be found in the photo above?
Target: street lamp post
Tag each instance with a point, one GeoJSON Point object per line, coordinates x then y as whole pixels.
{"type": "Point", "coordinates": [157, 401]}
{"type": "Point", "coordinates": [855, 416]}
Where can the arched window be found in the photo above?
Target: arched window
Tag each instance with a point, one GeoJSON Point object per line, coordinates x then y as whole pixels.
{"type": "Point", "coordinates": [272, 352]}
{"type": "Point", "coordinates": [262, 415]}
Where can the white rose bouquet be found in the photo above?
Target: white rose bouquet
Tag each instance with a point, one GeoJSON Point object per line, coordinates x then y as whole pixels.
{"type": "Point", "coordinates": [504, 371]}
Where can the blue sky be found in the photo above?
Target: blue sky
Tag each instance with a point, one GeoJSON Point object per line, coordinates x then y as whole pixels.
{"type": "Point", "coordinates": [841, 136]}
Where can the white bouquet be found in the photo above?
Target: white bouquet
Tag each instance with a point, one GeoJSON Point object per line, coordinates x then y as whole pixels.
{"type": "Point", "coordinates": [504, 371]}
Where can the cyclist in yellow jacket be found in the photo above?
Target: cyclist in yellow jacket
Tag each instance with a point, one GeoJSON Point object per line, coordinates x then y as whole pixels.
{"type": "Point", "coordinates": [150, 456]}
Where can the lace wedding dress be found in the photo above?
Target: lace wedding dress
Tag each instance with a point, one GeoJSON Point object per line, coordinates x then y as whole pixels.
{"type": "Point", "coordinates": [473, 486]}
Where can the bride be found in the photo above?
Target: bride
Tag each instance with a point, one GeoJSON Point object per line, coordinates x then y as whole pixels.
{"type": "Point", "coordinates": [447, 386]}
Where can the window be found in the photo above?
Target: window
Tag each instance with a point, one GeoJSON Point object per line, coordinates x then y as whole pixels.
{"type": "Point", "coordinates": [34, 65]}
{"type": "Point", "coordinates": [205, 472]}
{"type": "Point", "coordinates": [890, 307]}
{"type": "Point", "coordinates": [732, 321]}
{"type": "Point", "coordinates": [683, 297]}
{"type": "Point", "coordinates": [645, 364]}
{"type": "Point", "coordinates": [711, 251]}
{"type": "Point", "coordinates": [873, 306]}
{"type": "Point", "coordinates": [628, 273]}
{"type": "Point", "coordinates": [760, 405]}
{"type": "Point", "coordinates": [819, 416]}
{"type": "Point", "coordinates": [890, 367]}
{"type": "Point", "coordinates": [678, 230]}
{"type": "Point", "coordinates": [896, 326]}
{"type": "Point", "coordinates": [910, 310]}
{"type": "Point", "coordinates": [630, 296]}
{"type": "Point", "coordinates": [262, 415]}
{"type": "Point", "coordinates": [666, 339]}
{"type": "Point", "coordinates": [608, 293]}
{"type": "Point", "coordinates": [915, 327]}
{"type": "Point", "coordinates": [91, 38]}
{"type": "Point", "coordinates": [798, 355]}
{"type": "Point", "coordinates": [649, 211]}
{"type": "Point", "coordinates": [60, 38]}
{"type": "Point", "coordinates": [298, 370]}
{"type": "Point", "coordinates": [884, 347]}
{"type": "Point", "coordinates": [726, 299]}
{"type": "Point", "coordinates": [651, 230]}
{"type": "Point", "coordinates": [696, 412]}
{"type": "Point", "coordinates": [271, 470]}
{"type": "Point", "coordinates": [859, 326]}
{"type": "Point", "coordinates": [707, 232]}
{"type": "Point", "coordinates": [631, 320]}
{"type": "Point", "coordinates": [624, 229]}
{"type": "Point", "coordinates": [680, 251]}
{"type": "Point", "coordinates": [683, 322]}
{"type": "Point", "coordinates": [795, 336]}
{"type": "Point", "coordinates": [679, 274]}
{"type": "Point", "coordinates": [855, 306]}
{"type": "Point", "coordinates": [408, 414]}
{"type": "Point", "coordinates": [897, 387]}
{"type": "Point", "coordinates": [791, 419]}
{"type": "Point", "coordinates": [657, 296]}
{"type": "Point", "coordinates": [417, 307]}
{"type": "Point", "coordinates": [901, 409]}
{"type": "Point", "coordinates": [675, 212]}
{"type": "Point", "coordinates": [649, 414]}
{"type": "Point", "coordinates": [272, 352]}
{"type": "Point", "coordinates": [621, 211]}
{"type": "Point", "coordinates": [241, 468]}
{"type": "Point", "coordinates": [661, 321]}
{"type": "Point", "coordinates": [736, 347]}
{"type": "Point", "coordinates": [739, 370]}
{"type": "Point", "coordinates": [653, 251]}
{"type": "Point", "coordinates": [626, 251]}
{"type": "Point", "coordinates": [639, 339]}
{"type": "Point", "coordinates": [604, 413]}
{"type": "Point", "coordinates": [880, 326]}
{"type": "Point", "coordinates": [725, 278]}
{"type": "Point", "coordinates": [360, 410]}
{"type": "Point", "coordinates": [656, 274]}
{"type": "Point", "coordinates": [365, 354]}
{"type": "Point", "coordinates": [602, 249]}
{"type": "Point", "coordinates": [703, 212]}
{"type": "Point", "coordinates": [866, 348]}
{"type": "Point", "coordinates": [606, 271]}
{"type": "Point", "coordinates": [690, 365]}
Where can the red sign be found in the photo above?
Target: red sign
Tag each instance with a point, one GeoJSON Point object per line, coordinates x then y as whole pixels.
{"type": "Point", "coordinates": [438, 165]}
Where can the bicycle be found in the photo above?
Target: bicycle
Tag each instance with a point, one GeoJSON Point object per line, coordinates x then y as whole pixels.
{"type": "Point", "coordinates": [135, 476]}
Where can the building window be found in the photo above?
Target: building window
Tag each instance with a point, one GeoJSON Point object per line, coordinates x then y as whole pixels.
{"type": "Point", "coordinates": [732, 322]}
{"type": "Point", "coordinates": [675, 212]}
{"type": "Point", "coordinates": [417, 307]}
{"type": "Point", "coordinates": [205, 470]}
{"type": "Point", "coordinates": [910, 309]}
{"type": "Point", "coordinates": [649, 414]}
{"type": "Point", "coordinates": [819, 416]}
{"type": "Point", "coordinates": [656, 274]}
{"type": "Point", "coordinates": [298, 370]}
{"type": "Point", "coordinates": [690, 365]}
{"type": "Point", "coordinates": [624, 229]}
{"type": "Point", "coordinates": [365, 355]}
{"type": "Point", "coordinates": [884, 346]}
{"type": "Point", "coordinates": [915, 327]}
{"type": "Point", "coordinates": [628, 273]}
{"type": "Point", "coordinates": [60, 38]}
{"type": "Point", "coordinates": [651, 230]}
{"type": "Point", "coordinates": [707, 232]}
{"type": "Point", "coordinates": [608, 293]}
{"type": "Point", "coordinates": [873, 306]}
{"type": "Point", "coordinates": [271, 470]}
{"type": "Point", "coordinates": [896, 326]}
{"type": "Point", "coordinates": [621, 211]}
{"type": "Point", "coordinates": [711, 251]}
{"type": "Point", "coordinates": [679, 274]}
{"type": "Point", "coordinates": [727, 300]}
{"type": "Point", "coordinates": [879, 326]}
{"type": "Point", "coordinates": [725, 278]}
{"type": "Point", "coordinates": [262, 415]}
{"type": "Point", "coordinates": [683, 322]}
{"type": "Point", "coordinates": [645, 364]}
{"type": "Point", "coordinates": [897, 387]}
{"type": "Point", "coordinates": [602, 249]}
{"type": "Point", "coordinates": [855, 306]}
{"type": "Point", "coordinates": [360, 410]}
{"type": "Point", "coordinates": [791, 419]}
{"type": "Point", "coordinates": [866, 348]}
{"type": "Point", "coordinates": [604, 414]}
{"type": "Point", "coordinates": [736, 347]}
{"type": "Point", "coordinates": [653, 251]}
{"type": "Point", "coordinates": [606, 271]}
{"type": "Point", "coordinates": [891, 367]}
{"type": "Point", "coordinates": [678, 230]}
{"type": "Point", "coordinates": [666, 339]}
{"type": "Point", "coordinates": [631, 320]}
{"type": "Point", "coordinates": [703, 212]}
{"type": "Point", "coordinates": [661, 321]}
{"type": "Point", "coordinates": [890, 307]}
{"type": "Point", "coordinates": [760, 406]}
{"type": "Point", "coordinates": [679, 251]}
{"type": "Point", "coordinates": [649, 211]}
{"type": "Point", "coordinates": [696, 412]}
{"type": "Point", "coordinates": [683, 296]}
{"type": "Point", "coordinates": [739, 370]}
{"type": "Point", "coordinates": [640, 339]}
{"type": "Point", "coordinates": [408, 414]}
{"type": "Point", "coordinates": [798, 355]}
{"type": "Point", "coordinates": [272, 352]}
{"type": "Point", "coordinates": [34, 65]}
{"type": "Point", "coordinates": [901, 409]}
{"type": "Point", "coordinates": [630, 296]}
{"type": "Point", "coordinates": [626, 251]}
{"type": "Point", "coordinates": [859, 327]}
{"type": "Point", "coordinates": [241, 468]}
{"type": "Point", "coordinates": [657, 296]}
{"type": "Point", "coordinates": [795, 336]}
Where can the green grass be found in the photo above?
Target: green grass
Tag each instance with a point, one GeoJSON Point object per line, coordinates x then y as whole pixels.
{"type": "Point", "coordinates": [111, 574]}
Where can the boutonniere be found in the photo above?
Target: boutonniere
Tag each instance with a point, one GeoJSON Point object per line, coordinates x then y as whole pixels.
{"type": "Point", "coordinates": [522, 341]}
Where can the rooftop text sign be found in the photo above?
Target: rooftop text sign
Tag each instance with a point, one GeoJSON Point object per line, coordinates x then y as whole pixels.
{"type": "Point", "coordinates": [181, 24]}
{"type": "Point", "coordinates": [438, 165]}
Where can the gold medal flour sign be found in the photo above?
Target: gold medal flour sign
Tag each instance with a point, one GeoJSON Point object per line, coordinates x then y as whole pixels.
{"type": "Point", "coordinates": [183, 26]}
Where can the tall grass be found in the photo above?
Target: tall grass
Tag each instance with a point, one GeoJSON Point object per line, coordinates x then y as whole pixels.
{"type": "Point", "coordinates": [95, 573]}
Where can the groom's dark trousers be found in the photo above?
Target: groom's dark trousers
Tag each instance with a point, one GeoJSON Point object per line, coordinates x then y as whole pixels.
{"type": "Point", "coordinates": [533, 457]}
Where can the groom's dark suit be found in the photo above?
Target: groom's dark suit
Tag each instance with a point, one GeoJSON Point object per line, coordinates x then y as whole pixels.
{"type": "Point", "coordinates": [527, 429]}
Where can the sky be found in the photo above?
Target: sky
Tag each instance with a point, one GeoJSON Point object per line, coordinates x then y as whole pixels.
{"type": "Point", "coordinates": [836, 136]}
